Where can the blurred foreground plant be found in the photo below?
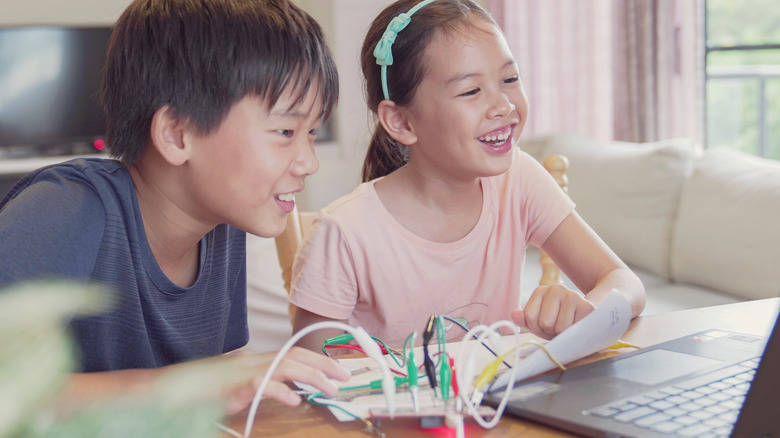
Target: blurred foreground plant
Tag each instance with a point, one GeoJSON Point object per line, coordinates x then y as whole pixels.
{"type": "Point", "coordinates": [37, 355]}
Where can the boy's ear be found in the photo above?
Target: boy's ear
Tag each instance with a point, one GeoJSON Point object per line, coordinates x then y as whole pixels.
{"type": "Point", "coordinates": [168, 134]}
{"type": "Point", "coordinates": [395, 122]}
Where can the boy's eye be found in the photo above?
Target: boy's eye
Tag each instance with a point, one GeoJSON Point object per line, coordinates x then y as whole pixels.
{"type": "Point", "coordinates": [286, 132]}
{"type": "Point", "coordinates": [511, 80]}
{"type": "Point", "coordinates": [471, 92]}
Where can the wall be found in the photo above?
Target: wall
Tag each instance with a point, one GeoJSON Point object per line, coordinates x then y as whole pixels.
{"type": "Point", "coordinates": [345, 23]}
{"type": "Point", "coordinates": [82, 12]}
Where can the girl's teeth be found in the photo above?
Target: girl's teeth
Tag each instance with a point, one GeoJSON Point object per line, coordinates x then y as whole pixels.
{"type": "Point", "coordinates": [493, 138]}
{"type": "Point", "coordinates": [286, 197]}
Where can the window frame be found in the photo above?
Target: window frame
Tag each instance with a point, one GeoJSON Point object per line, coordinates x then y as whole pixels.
{"type": "Point", "coordinates": [757, 73]}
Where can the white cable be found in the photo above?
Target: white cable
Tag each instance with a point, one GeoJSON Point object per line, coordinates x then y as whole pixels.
{"type": "Point", "coordinates": [228, 430]}
{"type": "Point", "coordinates": [455, 421]}
{"type": "Point", "coordinates": [372, 350]}
{"type": "Point", "coordinates": [365, 341]}
{"type": "Point", "coordinates": [465, 380]}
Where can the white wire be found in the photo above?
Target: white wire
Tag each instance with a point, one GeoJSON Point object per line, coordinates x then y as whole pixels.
{"type": "Point", "coordinates": [386, 376]}
{"type": "Point", "coordinates": [228, 430]}
{"type": "Point", "coordinates": [465, 362]}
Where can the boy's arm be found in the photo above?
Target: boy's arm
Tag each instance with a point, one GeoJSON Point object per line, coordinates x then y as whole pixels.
{"type": "Point", "coordinates": [239, 389]}
{"type": "Point", "coordinates": [313, 341]}
{"type": "Point", "coordinates": [86, 387]}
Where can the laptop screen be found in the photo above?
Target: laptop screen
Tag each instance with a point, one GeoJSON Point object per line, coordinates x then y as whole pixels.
{"type": "Point", "coordinates": [759, 415]}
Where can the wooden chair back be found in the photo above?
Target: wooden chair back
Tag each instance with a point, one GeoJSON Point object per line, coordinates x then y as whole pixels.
{"type": "Point", "coordinates": [557, 165]}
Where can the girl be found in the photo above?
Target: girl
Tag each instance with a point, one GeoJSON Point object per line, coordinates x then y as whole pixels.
{"type": "Point", "coordinates": [448, 204]}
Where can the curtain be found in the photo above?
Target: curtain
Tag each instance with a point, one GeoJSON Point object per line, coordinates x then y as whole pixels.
{"type": "Point", "coordinates": [627, 70]}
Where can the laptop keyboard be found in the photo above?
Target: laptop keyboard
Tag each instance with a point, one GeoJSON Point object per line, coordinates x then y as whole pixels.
{"type": "Point", "coordinates": [706, 406]}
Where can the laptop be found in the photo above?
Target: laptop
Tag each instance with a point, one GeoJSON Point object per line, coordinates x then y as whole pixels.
{"type": "Point", "coordinates": [712, 383]}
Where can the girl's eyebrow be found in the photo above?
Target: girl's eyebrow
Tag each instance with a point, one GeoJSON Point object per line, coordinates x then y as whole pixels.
{"type": "Point", "coordinates": [464, 76]}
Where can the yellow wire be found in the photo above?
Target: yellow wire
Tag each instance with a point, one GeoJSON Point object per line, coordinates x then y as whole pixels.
{"type": "Point", "coordinates": [622, 344]}
{"type": "Point", "coordinates": [490, 371]}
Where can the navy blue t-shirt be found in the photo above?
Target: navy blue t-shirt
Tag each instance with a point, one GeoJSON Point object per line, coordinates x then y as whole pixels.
{"type": "Point", "coordinates": [80, 220]}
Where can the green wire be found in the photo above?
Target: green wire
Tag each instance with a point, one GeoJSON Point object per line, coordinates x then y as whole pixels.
{"type": "Point", "coordinates": [311, 397]}
{"type": "Point", "coordinates": [392, 352]}
{"type": "Point", "coordinates": [375, 384]}
{"type": "Point", "coordinates": [346, 338]}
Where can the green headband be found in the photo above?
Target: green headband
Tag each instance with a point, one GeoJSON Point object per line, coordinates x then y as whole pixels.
{"type": "Point", "coordinates": [384, 48]}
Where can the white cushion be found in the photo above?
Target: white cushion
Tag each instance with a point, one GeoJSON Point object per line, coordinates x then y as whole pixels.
{"type": "Point", "coordinates": [627, 192]}
{"type": "Point", "coordinates": [665, 296]}
{"type": "Point", "coordinates": [727, 235]}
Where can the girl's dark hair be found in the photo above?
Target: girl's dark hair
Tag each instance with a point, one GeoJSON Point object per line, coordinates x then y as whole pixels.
{"type": "Point", "coordinates": [384, 155]}
{"type": "Point", "coordinates": [201, 57]}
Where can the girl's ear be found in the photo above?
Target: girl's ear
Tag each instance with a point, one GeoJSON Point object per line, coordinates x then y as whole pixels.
{"type": "Point", "coordinates": [395, 122]}
{"type": "Point", "coordinates": [168, 136]}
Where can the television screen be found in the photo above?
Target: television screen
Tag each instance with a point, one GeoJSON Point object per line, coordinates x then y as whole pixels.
{"type": "Point", "coordinates": [49, 90]}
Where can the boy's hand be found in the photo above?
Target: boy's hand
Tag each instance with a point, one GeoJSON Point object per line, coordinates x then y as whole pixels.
{"type": "Point", "coordinates": [551, 310]}
{"type": "Point", "coordinates": [298, 365]}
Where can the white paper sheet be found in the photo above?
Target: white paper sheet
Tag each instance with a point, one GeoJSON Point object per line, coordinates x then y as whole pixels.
{"type": "Point", "coordinates": [600, 329]}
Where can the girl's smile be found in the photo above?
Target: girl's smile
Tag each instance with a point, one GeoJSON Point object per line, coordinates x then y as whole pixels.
{"type": "Point", "coordinates": [500, 140]}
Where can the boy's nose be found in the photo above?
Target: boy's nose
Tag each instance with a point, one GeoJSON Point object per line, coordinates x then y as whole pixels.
{"type": "Point", "coordinates": [307, 162]}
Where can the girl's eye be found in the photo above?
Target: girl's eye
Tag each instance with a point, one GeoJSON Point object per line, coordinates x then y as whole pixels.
{"type": "Point", "coordinates": [511, 80]}
{"type": "Point", "coordinates": [286, 132]}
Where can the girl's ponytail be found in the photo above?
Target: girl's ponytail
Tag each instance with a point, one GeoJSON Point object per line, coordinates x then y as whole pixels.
{"type": "Point", "coordinates": [384, 155]}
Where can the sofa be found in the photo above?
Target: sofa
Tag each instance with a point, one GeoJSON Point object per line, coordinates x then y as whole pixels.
{"type": "Point", "coordinates": [699, 226]}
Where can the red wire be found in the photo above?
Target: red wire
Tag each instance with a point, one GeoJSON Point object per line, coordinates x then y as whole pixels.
{"type": "Point", "coordinates": [360, 350]}
{"type": "Point", "coordinates": [347, 347]}
{"type": "Point", "coordinates": [454, 376]}
{"type": "Point", "coordinates": [355, 347]}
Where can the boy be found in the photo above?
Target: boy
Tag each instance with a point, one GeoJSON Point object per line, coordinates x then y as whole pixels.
{"type": "Point", "coordinates": [211, 109]}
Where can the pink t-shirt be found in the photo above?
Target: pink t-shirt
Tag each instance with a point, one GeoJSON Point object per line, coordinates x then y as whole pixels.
{"type": "Point", "coordinates": [359, 264]}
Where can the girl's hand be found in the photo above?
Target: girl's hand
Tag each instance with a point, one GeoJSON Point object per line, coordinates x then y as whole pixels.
{"type": "Point", "coordinates": [298, 365]}
{"type": "Point", "coordinates": [551, 310]}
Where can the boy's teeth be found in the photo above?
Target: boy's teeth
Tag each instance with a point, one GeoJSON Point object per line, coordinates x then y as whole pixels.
{"type": "Point", "coordinates": [286, 197]}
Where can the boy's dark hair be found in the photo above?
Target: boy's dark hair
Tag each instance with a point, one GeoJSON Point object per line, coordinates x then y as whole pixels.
{"type": "Point", "coordinates": [404, 75]}
{"type": "Point", "coordinates": [201, 57]}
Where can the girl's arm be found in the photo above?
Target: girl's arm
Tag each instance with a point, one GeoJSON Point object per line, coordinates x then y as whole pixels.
{"type": "Point", "coordinates": [592, 266]}
{"type": "Point", "coordinates": [313, 341]}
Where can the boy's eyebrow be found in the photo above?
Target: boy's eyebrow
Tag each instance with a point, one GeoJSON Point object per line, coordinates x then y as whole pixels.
{"type": "Point", "coordinates": [292, 113]}
{"type": "Point", "coordinates": [464, 76]}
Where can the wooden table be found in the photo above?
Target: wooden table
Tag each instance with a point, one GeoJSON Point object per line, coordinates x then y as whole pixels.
{"type": "Point", "coordinates": [752, 317]}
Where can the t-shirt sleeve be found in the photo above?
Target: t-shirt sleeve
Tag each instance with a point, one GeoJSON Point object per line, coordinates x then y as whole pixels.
{"type": "Point", "coordinates": [544, 204]}
{"type": "Point", "coordinates": [323, 278]}
{"type": "Point", "coordinates": [51, 229]}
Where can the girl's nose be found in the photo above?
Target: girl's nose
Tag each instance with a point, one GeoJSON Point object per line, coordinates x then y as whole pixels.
{"type": "Point", "coordinates": [500, 106]}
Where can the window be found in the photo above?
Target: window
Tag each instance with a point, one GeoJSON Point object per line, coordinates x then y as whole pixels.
{"type": "Point", "coordinates": [742, 59]}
